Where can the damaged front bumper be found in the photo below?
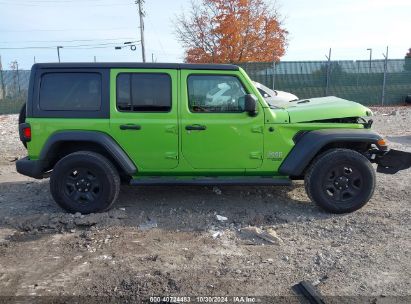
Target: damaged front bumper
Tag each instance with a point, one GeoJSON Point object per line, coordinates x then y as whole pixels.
{"type": "Point", "coordinates": [392, 161]}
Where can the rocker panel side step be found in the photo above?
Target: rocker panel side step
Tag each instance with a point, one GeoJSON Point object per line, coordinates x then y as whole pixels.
{"type": "Point", "coordinates": [211, 181]}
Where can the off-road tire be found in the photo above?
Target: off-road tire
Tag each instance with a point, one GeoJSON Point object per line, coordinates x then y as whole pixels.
{"type": "Point", "coordinates": [340, 180]}
{"type": "Point", "coordinates": [84, 182]}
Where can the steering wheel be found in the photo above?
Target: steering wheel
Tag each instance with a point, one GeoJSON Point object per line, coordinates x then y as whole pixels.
{"type": "Point", "coordinates": [199, 109]}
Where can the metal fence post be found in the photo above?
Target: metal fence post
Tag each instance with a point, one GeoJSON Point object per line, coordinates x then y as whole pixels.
{"type": "Point", "coordinates": [3, 89]}
{"type": "Point", "coordinates": [327, 80]}
{"type": "Point", "coordinates": [18, 77]}
{"type": "Point", "coordinates": [273, 74]}
{"type": "Point", "coordinates": [384, 82]}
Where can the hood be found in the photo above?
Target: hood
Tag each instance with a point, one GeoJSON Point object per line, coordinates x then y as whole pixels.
{"type": "Point", "coordinates": [323, 108]}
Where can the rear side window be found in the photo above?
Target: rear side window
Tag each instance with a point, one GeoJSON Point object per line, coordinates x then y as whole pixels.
{"type": "Point", "coordinates": [143, 92]}
{"type": "Point", "coordinates": [70, 92]}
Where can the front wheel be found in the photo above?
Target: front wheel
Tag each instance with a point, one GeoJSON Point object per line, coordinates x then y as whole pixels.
{"type": "Point", "coordinates": [84, 182]}
{"type": "Point", "coordinates": [340, 181]}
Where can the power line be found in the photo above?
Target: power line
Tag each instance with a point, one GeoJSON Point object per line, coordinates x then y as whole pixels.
{"type": "Point", "coordinates": [98, 44]}
{"type": "Point", "coordinates": [152, 26]}
{"type": "Point", "coordinates": [60, 4]}
{"type": "Point", "coordinates": [27, 48]}
{"type": "Point", "coordinates": [75, 40]}
{"type": "Point", "coordinates": [55, 1]}
{"type": "Point", "coordinates": [67, 30]}
{"type": "Point", "coordinates": [87, 46]}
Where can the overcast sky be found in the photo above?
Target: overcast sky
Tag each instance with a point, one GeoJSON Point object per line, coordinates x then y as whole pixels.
{"type": "Point", "coordinates": [349, 27]}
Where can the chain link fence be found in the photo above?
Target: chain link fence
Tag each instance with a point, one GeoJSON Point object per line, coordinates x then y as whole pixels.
{"type": "Point", "coordinates": [13, 90]}
{"type": "Point", "coordinates": [360, 81]}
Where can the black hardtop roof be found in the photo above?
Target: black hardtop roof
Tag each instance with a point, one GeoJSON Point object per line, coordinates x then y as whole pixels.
{"type": "Point", "coordinates": [135, 65]}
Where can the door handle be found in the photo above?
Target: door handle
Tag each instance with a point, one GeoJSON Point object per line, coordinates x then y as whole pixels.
{"type": "Point", "coordinates": [130, 127]}
{"type": "Point", "coordinates": [195, 128]}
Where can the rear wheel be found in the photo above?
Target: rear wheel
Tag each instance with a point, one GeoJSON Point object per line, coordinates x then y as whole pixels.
{"type": "Point", "coordinates": [340, 181]}
{"type": "Point", "coordinates": [84, 182]}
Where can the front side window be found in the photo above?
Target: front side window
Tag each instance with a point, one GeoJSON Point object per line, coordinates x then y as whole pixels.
{"type": "Point", "coordinates": [215, 93]}
{"type": "Point", "coordinates": [143, 92]}
{"type": "Point", "coordinates": [70, 92]}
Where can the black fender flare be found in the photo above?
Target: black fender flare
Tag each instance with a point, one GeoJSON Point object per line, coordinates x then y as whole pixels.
{"type": "Point", "coordinates": [311, 142]}
{"type": "Point", "coordinates": [99, 138]}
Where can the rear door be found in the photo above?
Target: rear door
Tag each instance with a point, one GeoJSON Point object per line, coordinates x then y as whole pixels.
{"type": "Point", "coordinates": [143, 116]}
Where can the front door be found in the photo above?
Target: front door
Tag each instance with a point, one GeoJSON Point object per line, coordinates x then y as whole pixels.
{"type": "Point", "coordinates": [143, 116]}
{"type": "Point", "coordinates": [216, 131]}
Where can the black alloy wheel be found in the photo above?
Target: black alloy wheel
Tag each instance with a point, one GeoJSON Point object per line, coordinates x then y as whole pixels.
{"type": "Point", "coordinates": [84, 182]}
{"type": "Point", "coordinates": [340, 180]}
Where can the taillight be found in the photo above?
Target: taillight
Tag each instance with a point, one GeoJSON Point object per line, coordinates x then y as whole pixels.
{"type": "Point", "coordinates": [25, 132]}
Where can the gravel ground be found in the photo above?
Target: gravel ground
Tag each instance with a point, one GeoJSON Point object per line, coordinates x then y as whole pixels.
{"type": "Point", "coordinates": [169, 240]}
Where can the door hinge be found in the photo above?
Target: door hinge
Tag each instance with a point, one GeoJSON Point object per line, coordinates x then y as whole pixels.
{"type": "Point", "coordinates": [171, 155]}
{"type": "Point", "coordinates": [256, 155]}
{"type": "Point", "coordinates": [257, 129]}
{"type": "Point", "coordinates": [171, 129]}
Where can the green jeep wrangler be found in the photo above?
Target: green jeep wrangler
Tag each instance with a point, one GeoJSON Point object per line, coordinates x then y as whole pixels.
{"type": "Point", "coordinates": [91, 126]}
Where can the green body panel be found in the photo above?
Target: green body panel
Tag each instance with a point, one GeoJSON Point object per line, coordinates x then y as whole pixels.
{"type": "Point", "coordinates": [278, 143]}
{"type": "Point", "coordinates": [43, 128]}
{"type": "Point", "coordinates": [155, 146]}
{"type": "Point", "coordinates": [232, 144]}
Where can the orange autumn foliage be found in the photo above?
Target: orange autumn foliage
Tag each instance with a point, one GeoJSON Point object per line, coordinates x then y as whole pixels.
{"type": "Point", "coordinates": [231, 31]}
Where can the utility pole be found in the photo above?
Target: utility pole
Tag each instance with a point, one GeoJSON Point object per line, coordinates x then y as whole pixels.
{"type": "Point", "coordinates": [3, 89]}
{"type": "Point", "coordinates": [95, 59]}
{"type": "Point", "coordinates": [58, 52]}
{"type": "Point", "coordinates": [141, 14]}
{"type": "Point", "coordinates": [385, 76]}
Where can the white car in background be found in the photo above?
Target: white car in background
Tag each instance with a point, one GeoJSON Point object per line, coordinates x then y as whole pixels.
{"type": "Point", "coordinates": [274, 97]}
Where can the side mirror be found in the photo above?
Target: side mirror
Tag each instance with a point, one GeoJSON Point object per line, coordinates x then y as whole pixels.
{"type": "Point", "coordinates": [251, 104]}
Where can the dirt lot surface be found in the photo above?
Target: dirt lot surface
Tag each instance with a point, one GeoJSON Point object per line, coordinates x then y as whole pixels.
{"type": "Point", "coordinates": [170, 241]}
